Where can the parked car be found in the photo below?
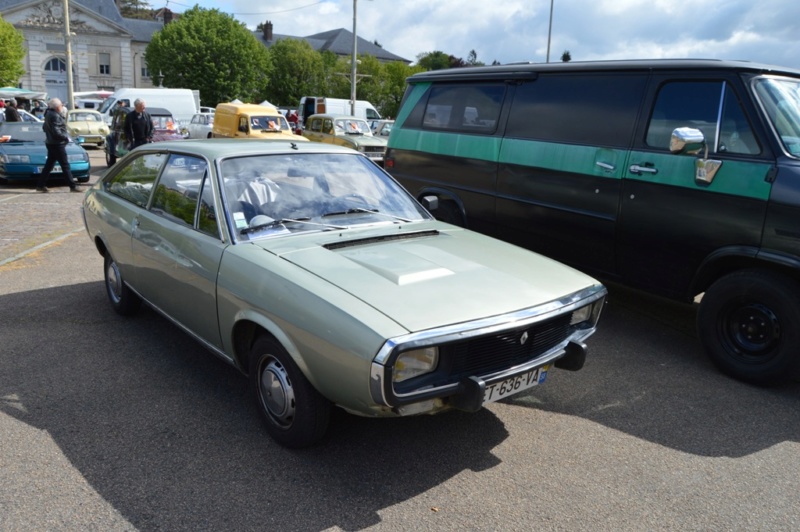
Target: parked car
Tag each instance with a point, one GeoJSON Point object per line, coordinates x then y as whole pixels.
{"type": "Point", "coordinates": [200, 126]}
{"type": "Point", "coordinates": [312, 271]}
{"type": "Point", "coordinates": [23, 153]}
{"type": "Point", "coordinates": [88, 125]}
{"type": "Point", "coordinates": [245, 120]}
{"type": "Point", "coordinates": [348, 131]}
{"type": "Point", "coordinates": [23, 114]}
{"type": "Point", "coordinates": [679, 177]}
{"type": "Point", "coordinates": [382, 128]}
{"type": "Point", "coordinates": [117, 145]}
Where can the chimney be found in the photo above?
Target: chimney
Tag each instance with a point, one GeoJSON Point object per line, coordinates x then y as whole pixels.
{"type": "Point", "coordinates": [167, 16]}
{"type": "Point", "coordinates": [267, 28]}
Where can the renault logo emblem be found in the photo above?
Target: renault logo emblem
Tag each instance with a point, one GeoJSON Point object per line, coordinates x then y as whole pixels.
{"type": "Point", "coordinates": [523, 338]}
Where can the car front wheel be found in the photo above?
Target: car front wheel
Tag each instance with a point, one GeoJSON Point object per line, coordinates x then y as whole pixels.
{"type": "Point", "coordinates": [296, 414]}
{"type": "Point", "coordinates": [122, 298]}
{"type": "Point", "coordinates": [748, 324]}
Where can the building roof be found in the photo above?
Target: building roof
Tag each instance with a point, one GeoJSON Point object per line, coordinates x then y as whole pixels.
{"type": "Point", "coordinates": [340, 42]}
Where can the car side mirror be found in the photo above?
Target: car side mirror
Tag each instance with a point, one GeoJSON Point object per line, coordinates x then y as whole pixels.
{"type": "Point", "coordinates": [431, 203]}
{"type": "Point", "coordinates": [688, 140]}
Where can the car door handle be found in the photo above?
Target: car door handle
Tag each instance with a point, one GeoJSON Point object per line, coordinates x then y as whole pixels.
{"type": "Point", "coordinates": [638, 170]}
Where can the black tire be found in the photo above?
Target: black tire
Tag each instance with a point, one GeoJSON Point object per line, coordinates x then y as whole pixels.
{"type": "Point", "coordinates": [122, 298]}
{"type": "Point", "coordinates": [449, 212]}
{"type": "Point", "coordinates": [295, 413]}
{"type": "Point", "coordinates": [748, 325]}
{"type": "Point", "coordinates": [110, 157]}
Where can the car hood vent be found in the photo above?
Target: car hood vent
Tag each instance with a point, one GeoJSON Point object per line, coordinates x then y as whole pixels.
{"type": "Point", "coordinates": [381, 238]}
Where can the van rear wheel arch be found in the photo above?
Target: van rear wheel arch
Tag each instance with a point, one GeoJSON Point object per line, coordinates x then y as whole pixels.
{"type": "Point", "coordinates": [450, 209]}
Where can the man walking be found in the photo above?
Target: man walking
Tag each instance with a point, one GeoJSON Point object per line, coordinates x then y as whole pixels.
{"type": "Point", "coordinates": [12, 115]}
{"type": "Point", "coordinates": [138, 125]}
{"type": "Point", "coordinates": [56, 140]}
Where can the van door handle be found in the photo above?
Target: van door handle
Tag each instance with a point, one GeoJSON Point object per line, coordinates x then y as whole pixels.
{"type": "Point", "coordinates": [639, 170]}
{"type": "Point", "coordinates": [605, 166]}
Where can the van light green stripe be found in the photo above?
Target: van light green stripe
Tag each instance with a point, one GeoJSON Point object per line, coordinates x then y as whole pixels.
{"type": "Point", "coordinates": [449, 144]}
{"type": "Point", "coordinates": [737, 178]}
{"type": "Point", "coordinates": [413, 98]}
{"type": "Point", "coordinates": [564, 157]}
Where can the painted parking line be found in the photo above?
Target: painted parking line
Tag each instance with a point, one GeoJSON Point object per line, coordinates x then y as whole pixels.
{"type": "Point", "coordinates": [12, 197]}
{"type": "Point", "coordinates": [40, 246]}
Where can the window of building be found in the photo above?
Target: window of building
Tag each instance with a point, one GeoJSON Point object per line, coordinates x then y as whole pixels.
{"type": "Point", "coordinates": [104, 60]}
{"type": "Point", "coordinates": [56, 65]}
{"type": "Point", "coordinates": [145, 71]}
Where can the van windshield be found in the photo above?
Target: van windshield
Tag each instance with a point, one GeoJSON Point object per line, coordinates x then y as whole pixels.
{"type": "Point", "coordinates": [781, 100]}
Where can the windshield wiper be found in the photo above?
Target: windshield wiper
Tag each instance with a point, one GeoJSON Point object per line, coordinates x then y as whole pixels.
{"type": "Point", "coordinates": [283, 221]}
{"type": "Point", "coordinates": [361, 210]}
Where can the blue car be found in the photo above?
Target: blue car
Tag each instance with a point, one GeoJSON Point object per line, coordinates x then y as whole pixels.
{"type": "Point", "coordinates": [23, 154]}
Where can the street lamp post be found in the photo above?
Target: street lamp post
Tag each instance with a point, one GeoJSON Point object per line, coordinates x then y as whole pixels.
{"type": "Point", "coordinates": [68, 43]}
{"type": "Point", "coordinates": [353, 78]}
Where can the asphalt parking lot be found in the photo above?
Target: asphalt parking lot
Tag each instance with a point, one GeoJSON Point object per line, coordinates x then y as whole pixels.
{"type": "Point", "coordinates": [111, 423]}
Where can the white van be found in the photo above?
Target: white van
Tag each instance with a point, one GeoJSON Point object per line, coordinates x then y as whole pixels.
{"type": "Point", "coordinates": [315, 105]}
{"type": "Point", "coordinates": [180, 102]}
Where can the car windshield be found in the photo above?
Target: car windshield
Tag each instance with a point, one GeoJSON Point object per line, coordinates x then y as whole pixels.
{"type": "Point", "coordinates": [163, 121]}
{"type": "Point", "coordinates": [781, 100]}
{"type": "Point", "coordinates": [84, 117]}
{"type": "Point", "coordinates": [268, 123]}
{"type": "Point", "coordinates": [352, 126]}
{"type": "Point", "coordinates": [22, 132]}
{"type": "Point", "coordinates": [272, 195]}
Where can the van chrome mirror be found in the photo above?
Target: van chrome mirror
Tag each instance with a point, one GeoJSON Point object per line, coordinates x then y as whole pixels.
{"type": "Point", "coordinates": [689, 140]}
{"type": "Point", "coordinates": [686, 140]}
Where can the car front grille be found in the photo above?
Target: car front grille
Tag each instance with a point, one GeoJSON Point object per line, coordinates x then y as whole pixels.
{"type": "Point", "coordinates": [374, 149]}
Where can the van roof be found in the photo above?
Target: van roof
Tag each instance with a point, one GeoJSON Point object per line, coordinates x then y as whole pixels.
{"type": "Point", "coordinates": [249, 108]}
{"type": "Point", "coordinates": [531, 70]}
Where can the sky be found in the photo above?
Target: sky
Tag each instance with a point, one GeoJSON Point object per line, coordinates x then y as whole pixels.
{"type": "Point", "coordinates": [765, 31]}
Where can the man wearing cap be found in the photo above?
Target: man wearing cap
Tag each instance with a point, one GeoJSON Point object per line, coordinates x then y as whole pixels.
{"type": "Point", "coordinates": [12, 115]}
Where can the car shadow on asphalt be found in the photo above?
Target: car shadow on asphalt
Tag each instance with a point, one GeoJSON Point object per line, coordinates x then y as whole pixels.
{"type": "Point", "coordinates": [154, 423]}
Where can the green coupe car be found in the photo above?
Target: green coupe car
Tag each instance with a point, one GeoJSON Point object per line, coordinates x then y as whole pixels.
{"type": "Point", "coordinates": [312, 271]}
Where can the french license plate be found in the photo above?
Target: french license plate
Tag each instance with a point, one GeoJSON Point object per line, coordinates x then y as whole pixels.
{"type": "Point", "coordinates": [510, 386]}
{"type": "Point", "coordinates": [56, 169]}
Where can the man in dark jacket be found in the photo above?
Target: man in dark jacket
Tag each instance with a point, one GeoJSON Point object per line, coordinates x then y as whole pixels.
{"type": "Point", "coordinates": [56, 140]}
{"type": "Point", "coordinates": [138, 125]}
{"type": "Point", "coordinates": [12, 115]}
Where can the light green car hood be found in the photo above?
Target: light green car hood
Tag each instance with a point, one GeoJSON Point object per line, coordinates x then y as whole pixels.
{"type": "Point", "coordinates": [422, 282]}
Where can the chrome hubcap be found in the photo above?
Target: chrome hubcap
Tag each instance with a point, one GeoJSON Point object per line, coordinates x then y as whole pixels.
{"type": "Point", "coordinates": [114, 281]}
{"type": "Point", "coordinates": [277, 394]}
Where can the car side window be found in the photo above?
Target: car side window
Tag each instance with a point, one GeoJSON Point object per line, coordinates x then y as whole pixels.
{"type": "Point", "coordinates": [711, 107]}
{"type": "Point", "coordinates": [207, 212]}
{"type": "Point", "coordinates": [135, 181]}
{"type": "Point", "coordinates": [316, 125]}
{"type": "Point", "coordinates": [177, 191]}
{"type": "Point", "coordinates": [327, 126]}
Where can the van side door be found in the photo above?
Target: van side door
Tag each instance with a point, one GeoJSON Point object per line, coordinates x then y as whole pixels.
{"type": "Point", "coordinates": [561, 164]}
{"type": "Point", "coordinates": [673, 219]}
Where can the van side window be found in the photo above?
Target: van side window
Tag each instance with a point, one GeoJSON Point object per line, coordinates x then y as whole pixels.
{"type": "Point", "coordinates": [464, 108]}
{"type": "Point", "coordinates": [592, 109]}
{"type": "Point", "coordinates": [711, 107]}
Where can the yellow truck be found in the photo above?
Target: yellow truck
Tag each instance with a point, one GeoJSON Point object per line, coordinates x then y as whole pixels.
{"type": "Point", "coordinates": [244, 120]}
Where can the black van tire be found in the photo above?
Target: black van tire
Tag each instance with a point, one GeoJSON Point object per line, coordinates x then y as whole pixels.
{"type": "Point", "coordinates": [296, 415]}
{"type": "Point", "coordinates": [748, 325]}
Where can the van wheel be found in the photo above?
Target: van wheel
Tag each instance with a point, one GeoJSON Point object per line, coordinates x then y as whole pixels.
{"type": "Point", "coordinates": [747, 323]}
{"type": "Point", "coordinates": [295, 413]}
{"type": "Point", "coordinates": [449, 212]}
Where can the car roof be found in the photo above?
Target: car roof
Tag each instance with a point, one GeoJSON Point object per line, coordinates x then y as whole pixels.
{"type": "Point", "coordinates": [81, 110]}
{"type": "Point", "coordinates": [219, 148]}
{"type": "Point", "coordinates": [530, 70]}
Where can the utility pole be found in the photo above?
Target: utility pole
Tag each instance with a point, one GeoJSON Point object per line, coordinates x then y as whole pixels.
{"type": "Point", "coordinates": [68, 42]}
{"type": "Point", "coordinates": [549, 30]}
{"type": "Point", "coordinates": [353, 78]}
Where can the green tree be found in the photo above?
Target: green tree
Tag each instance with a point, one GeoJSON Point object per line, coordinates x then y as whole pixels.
{"type": "Point", "coordinates": [395, 74]}
{"type": "Point", "coordinates": [298, 70]}
{"type": "Point", "coordinates": [436, 60]}
{"type": "Point", "coordinates": [12, 45]}
{"type": "Point", "coordinates": [210, 51]}
{"type": "Point", "coordinates": [472, 59]}
{"type": "Point", "coordinates": [138, 9]}
{"type": "Point", "coordinates": [566, 57]}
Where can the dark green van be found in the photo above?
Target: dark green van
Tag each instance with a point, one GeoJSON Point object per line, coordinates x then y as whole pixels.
{"type": "Point", "coordinates": [679, 177]}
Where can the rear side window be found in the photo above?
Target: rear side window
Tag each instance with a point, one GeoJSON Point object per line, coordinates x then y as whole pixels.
{"type": "Point", "coordinates": [135, 182]}
{"type": "Point", "coordinates": [466, 108]}
{"type": "Point", "coordinates": [711, 107]}
{"type": "Point", "coordinates": [594, 109]}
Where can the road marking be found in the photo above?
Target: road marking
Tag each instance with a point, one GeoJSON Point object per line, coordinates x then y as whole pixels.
{"type": "Point", "coordinates": [40, 246]}
{"type": "Point", "coordinates": [12, 197]}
